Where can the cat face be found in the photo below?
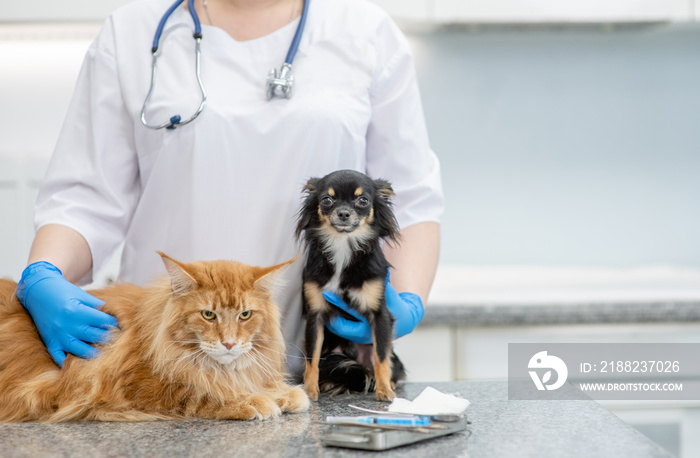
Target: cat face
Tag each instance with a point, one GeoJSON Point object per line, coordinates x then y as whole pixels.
{"type": "Point", "coordinates": [226, 325]}
{"type": "Point", "coordinates": [222, 311]}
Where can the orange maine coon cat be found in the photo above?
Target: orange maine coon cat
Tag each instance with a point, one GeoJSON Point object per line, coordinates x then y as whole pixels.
{"type": "Point", "coordinates": [204, 342]}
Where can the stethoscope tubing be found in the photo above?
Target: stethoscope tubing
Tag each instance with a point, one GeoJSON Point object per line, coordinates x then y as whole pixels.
{"type": "Point", "coordinates": [176, 120]}
{"type": "Point", "coordinates": [294, 46]}
{"type": "Point", "coordinates": [166, 16]}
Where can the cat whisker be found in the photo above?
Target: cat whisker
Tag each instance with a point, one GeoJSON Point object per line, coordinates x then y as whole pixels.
{"type": "Point", "coordinates": [266, 372]}
{"type": "Point", "coordinates": [184, 361]}
{"type": "Point", "coordinates": [288, 345]}
{"type": "Point", "coordinates": [264, 356]}
{"type": "Point", "coordinates": [288, 355]}
{"type": "Point", "coordinates": [260, 359]}
{"type": "Point", "coordinates": [183, 356]}
{"type": "Point", "coordinates": [173, 342]}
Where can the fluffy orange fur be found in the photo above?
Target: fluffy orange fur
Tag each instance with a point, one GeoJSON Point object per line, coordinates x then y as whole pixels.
{"type": "Point", "coordinates": [168, 360]}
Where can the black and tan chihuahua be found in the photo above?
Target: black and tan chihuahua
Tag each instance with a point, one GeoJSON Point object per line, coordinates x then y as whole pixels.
{"type": "Point", "coordinates": [343, 220]}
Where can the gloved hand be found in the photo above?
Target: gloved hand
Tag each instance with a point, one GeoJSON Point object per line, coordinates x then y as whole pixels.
{"type": "Point", "coordinates": [406, 308]}
{"type": "Point", "coordinates": [65, 315]}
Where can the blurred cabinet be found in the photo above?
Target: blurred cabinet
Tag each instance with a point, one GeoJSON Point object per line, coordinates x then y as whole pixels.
{"type": "Point", "coordinates": [562, 10]}
{"type": "Point", "coordinates": [65, 10]}
{"type": "Point", "coordinates": [408, 10]}
{"type": "Point", "coordinates": [10, 208]}
{"type": "Point", "coordinates": [437, 11]}
{"type": "Point", "coordinates": [19, 185]}
{"type": "Point", "coordinates": [542, 11]}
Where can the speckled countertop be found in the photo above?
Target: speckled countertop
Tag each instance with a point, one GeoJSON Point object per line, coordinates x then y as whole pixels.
{"type": "Point", "coordinates": [499, 428]}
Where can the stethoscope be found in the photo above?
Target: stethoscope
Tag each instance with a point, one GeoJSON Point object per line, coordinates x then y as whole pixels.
{"type": "Point", "coordinates": [277, 84]}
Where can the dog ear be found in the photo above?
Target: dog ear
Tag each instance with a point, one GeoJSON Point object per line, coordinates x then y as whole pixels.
{"type": "Point", "coordinates": [384, 189]}
{"type": "Point", "coordinates": [311, 185]}
{"type": "Point", "coordinates": [383, 215]}
{"type": "Point", "coordinates": [308, 213]}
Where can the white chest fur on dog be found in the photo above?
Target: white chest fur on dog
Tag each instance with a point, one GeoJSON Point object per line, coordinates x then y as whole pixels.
{"type": "Point", "coordinates": [339, 248]}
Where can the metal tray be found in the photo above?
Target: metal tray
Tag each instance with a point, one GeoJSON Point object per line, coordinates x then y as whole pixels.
{"type": "Point", "coordinates": [380, 439]}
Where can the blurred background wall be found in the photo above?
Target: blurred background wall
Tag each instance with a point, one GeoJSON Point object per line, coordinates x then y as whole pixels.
{"type": "Point", "coordinates": [562, 144]}
{"type": "Point", "coordinates": [566, 146]}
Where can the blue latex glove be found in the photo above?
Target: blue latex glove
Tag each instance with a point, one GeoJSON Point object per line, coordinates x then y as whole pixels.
{"type": "Point", "coordinates": [65, 316]}
{"type": "Point", "coordinates": [406, 308]}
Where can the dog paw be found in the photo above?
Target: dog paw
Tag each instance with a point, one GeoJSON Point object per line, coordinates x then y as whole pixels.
{"type": "Point", "coordinates": [312, 395]}
{"type": "Point", "coordinates": [386, 394]}
{"type": "Point", "coordinates": [311, 391]}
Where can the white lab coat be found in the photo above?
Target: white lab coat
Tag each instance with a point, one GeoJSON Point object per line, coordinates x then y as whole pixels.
{"type": "Point", "coordinates": [228, 185]}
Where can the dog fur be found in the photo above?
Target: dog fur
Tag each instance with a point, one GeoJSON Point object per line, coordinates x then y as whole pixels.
{"type": "Point", "coordinates": [344, 218]}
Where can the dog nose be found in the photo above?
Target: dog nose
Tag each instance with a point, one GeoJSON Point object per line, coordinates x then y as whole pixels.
{"type": "Point", "coordinates": [343, 214]}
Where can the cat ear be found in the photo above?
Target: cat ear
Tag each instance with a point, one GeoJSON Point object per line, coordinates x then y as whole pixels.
{"type": "Point", "coordinates": [267, 277]}
{"type": "Point", "coordinates": [180, 279]}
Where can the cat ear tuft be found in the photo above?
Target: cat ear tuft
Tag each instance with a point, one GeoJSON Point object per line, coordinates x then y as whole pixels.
{"type": "Point", "coordinates": [267, 278]}
{"type": "Point", "coordinates": [180, 280]}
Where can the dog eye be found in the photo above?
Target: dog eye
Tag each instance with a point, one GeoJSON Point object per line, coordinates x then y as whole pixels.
{"type": "Point", "coordinates": [362, 201]}
{"type": "Point", "coordinates": [208, 315]}
{"type": "Point", "coordinates": [326, 201]}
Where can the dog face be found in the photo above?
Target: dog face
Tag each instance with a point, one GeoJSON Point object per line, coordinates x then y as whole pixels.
{"type": "Point", "coordinates": [346, 204]}
{"type": "Point", "coordinates": [347, 201]}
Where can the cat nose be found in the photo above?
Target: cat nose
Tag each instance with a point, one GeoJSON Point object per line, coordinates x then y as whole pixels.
{"type": "Point", "coordinates": [229, 344]}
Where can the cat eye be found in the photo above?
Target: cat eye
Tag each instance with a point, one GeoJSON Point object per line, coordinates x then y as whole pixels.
{"type": "Point", "coordinates": [208, 315]}
{"type": "Point", "coordinates": [246, 314]}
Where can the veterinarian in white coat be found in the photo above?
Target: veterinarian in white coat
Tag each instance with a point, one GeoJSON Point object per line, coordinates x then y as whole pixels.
{"type": "Point", "coordinates": [227, 185]}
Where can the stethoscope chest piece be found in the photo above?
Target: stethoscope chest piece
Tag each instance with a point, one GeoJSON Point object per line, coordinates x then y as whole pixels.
{"type": "Point", "coordinates": [281, 85]}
